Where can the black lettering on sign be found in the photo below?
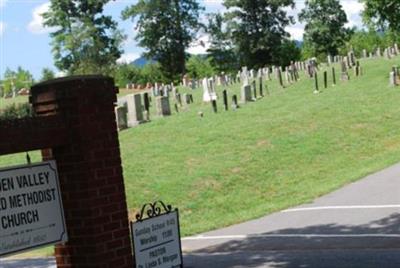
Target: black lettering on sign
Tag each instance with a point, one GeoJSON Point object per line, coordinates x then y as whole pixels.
{"type": "Point", "coordinates": [6, 184]}
{"type": "Point", "coordinates": [18, 219]}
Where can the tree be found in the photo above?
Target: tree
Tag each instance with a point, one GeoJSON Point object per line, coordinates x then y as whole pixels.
{"type": "Point", "coordinates": [324, 32]}
{"type": "Point", "coordinates": [199, 67]}
{"type": "Point", "coordinates": [382, 14]}
{"type": "Point", "coordinates": [165, 28]}
{"type": "Point", "coordinates": [258, 29]}
{"type": "Point", "coordinates": [222, 51]}
{"type": "Point", "coordinates": [288, 52]}
{"type": "Point", "coordinates": [126, 73]}
{"type": "Point", "coordinates": [47, 74]}
{"type": "Point", "coordinates": [15, 80]}
{"type": "Point", "coordinates": [84, 41]}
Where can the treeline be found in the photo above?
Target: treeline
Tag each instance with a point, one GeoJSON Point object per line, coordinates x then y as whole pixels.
{"type": "Point", "coordinates": [250, 33]}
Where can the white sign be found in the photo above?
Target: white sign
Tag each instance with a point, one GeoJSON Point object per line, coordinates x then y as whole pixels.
{"type": "Point", "coordinates": [156, 242]}
{"type": "Point", "coordinates": [31, 212]}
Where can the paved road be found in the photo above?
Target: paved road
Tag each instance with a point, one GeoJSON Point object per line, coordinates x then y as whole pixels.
{"type": "Point", "coordinates": [356, 226]}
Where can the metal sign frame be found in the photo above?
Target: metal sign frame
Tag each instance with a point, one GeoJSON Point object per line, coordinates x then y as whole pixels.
{"type": "Point", "coordinates": [155, 210]}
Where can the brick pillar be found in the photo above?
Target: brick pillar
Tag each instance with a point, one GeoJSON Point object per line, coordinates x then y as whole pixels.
{"type": "Point", "coordinates": [90, 171]}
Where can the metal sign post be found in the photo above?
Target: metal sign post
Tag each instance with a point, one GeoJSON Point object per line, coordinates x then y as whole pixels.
{"type": "Point", "coordinates": [156, 239]}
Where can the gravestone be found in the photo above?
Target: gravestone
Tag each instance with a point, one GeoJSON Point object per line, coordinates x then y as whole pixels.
{"type": "Point", "coordinates": [178, 98]}
{"type": "Point", "coordinates": [364, 52]}
{"type": "Point", "coordinates": [329, 57]}
{"type": "Point", "coordinates": [393, 78]}
{"type": "Point", "coordinates": [135, 112]}
{"type": "Point", "coordinates": [206, 90]}
{"type": "Point", "coordinates": [279, 74]}
{"type": "Point", "coordinates": [378, 52]}
{"type": "Point", "coordinates": [214, 105]}
{"type": "Point", "coordinates": [357, 70]}
{"type": "Point", "coordinates": [246, 93]}
{"type": "Point", "coordinates": [344, 75]}
{"type": "Point", "coordinates": [146, 101]}
{"type": "Point", "coordinates": [121, 118]}
{"type": "Point", "coordinates": [316, 88]}
{"type": "Point", "coordinates": [186, 98]}
{"type": "Point", "coordinates": [235, 104]}
{"type": "Point", "coordinates": [225, 98]}
{"type": "Point", "coordinates": [260, 82]}
{"type": "Point", "coordinates": [162, 105]}
{"type": "Point", "coordinates": [254, 86]}
{"type": "Point", "coordinates": [325, 79]}
{"type": "Point", "coordinates": [333, 76]}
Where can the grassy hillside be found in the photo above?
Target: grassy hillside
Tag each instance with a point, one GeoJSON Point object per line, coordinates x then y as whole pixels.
{"type": "Point", "coordinates": [282, 150]}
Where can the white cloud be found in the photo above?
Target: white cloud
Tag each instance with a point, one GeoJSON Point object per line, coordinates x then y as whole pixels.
{"type": "Point", "coordinates": [212, 3]}
{"type": "Point", "coordinates": [353, 9]}
{"type": "Point", "coordinates": [2, 28]}
{"type": "Point", "coordinates": [2, 3]}
{"type": "Point", "coordinates": [128, 57]}
{"type": "Point", "coordinates": [296, 32]}
{"type": "Point", "coordinates": [200, 45]}
{"type": "Point", "coordinates": [35, 26]}
{"type": "Point", "coordinates": [60, 74]}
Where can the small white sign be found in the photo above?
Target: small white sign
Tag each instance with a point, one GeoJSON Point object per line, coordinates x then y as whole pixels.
{"type": "Point", "coordinates": [31, 211]}
{"type": "Point", "coordinates": [156, 242]}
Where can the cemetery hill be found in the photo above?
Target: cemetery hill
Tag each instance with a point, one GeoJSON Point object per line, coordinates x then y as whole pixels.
{"type": "Point", "coordinates": [257, 124]}
{"type": "Point", "coordinates": [27, 199]}
{"type": "Point", "coordinates": [284, 149]}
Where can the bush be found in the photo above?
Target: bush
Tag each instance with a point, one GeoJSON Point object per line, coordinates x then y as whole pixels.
{"type": "Point", "coordinates": [16, 111]}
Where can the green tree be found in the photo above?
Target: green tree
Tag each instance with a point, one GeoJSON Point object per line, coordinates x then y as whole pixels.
{"type": "Point", "coordinates": [152, 72]}
{"type": "Point", "coordinates": [126, 73]}
{"type": "Point", "coordinates": [288, 52]}
{"type": "Point", "coordinates": [16, 79]}
{"type": "Point", "coordinates": [84, 40]}
{"type": "Point", "coordinates": [382, 14]}
{"type": "Point", "coordinates": [258, 29]}
{"type": "Point", "coordinates": [165, 29]}
{"type": "Point", "coordinates": [47, 74]}
{"type": "Point", "coordinates": [222, 50]}
{"type": "Point", "coordinates": [324, 32]}
{"type": "Point", "coordinates": [199, 67]}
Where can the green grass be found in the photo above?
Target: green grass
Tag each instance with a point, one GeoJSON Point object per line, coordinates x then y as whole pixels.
{"type": "Point", "coordinates": [284, 149]}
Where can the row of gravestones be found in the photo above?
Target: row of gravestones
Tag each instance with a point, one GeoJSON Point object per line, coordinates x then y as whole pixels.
{"type": "Point", "coordinates": [133, 113]}
{"type": "Point", "coordinates": [134, 109]}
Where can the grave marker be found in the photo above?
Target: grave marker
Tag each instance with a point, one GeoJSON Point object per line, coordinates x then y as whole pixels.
{"type": "Point", "coordinates": [225, 98]}
{"type": "Point", "coordinates": [316, 88]}
{"type": "Point", "coordinates": [162, 105]}
{"type": "Point", "coordinates": [333, 76]}
{"type": "Point", "coordinates": [135, 113]}
{"type": "Point", "coordinates": [214, 105]}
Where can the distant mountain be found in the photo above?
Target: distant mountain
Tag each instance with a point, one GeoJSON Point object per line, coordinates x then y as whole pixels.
{"type": "Point", "coordinates": [140, 62]}
{"type": "Point", "coordinates": [299, 44]}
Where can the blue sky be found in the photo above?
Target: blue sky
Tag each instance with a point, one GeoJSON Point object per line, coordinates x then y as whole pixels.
{"type": "Point", "coordinates": [24, 42]}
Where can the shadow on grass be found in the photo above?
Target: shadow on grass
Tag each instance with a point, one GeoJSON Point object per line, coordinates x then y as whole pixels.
{"type": "Point", "coordinates": [329, 245]}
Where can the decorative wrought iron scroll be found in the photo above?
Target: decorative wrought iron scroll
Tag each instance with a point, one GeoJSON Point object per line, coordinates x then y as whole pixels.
{"type": "Point", "coordinates": [153, 210]}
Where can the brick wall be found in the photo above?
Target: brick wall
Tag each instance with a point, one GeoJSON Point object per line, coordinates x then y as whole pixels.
{"type": "Point", "coordinates": [81, 135]}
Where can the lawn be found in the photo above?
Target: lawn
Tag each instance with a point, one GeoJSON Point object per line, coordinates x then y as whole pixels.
{"type": "Point", "coordinates": [282, 150]}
